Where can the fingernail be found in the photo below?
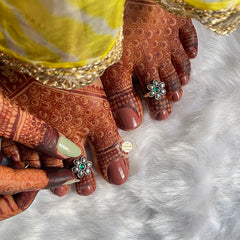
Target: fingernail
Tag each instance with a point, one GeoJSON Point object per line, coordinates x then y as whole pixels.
{"type": "Point", "coordinates": [60, 191]}
{"type": "Point", "coordinates": [176, 96]}
{"type": "Point", "coordinates": [68, 148]}
{"type": "Point", "coordinates": [193, 52]}
{"type": "Point", "coordinates": [86, 190]}
{"type": "Point", "coordinates": [60, 176]}
{"type": "Point", "coordinates": [162, 115]}
{"type": "Point", "coordinates": [117, 172]}
{"type": "Point", "coordinates": [127, 119]}
{"type": "Point", "coordinates": [185, 80]}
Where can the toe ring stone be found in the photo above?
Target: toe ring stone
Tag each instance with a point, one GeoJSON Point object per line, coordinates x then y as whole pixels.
{"type": "Point", "coordinates": [81, 167]}
{"type": "Point", "coordinates": [156, 89]}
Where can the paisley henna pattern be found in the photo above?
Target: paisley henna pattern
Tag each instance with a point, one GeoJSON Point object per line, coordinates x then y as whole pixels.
{"type": "Point", "coordinates": [156, 45]}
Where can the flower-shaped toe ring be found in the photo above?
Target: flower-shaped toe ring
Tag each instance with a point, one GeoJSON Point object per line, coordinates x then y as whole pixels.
{"type": "Point", "coordinates": [156, 89]}
{"type": "Point", "coordinates": [81, 167]}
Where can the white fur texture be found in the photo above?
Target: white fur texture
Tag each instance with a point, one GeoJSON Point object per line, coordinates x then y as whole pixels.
{"type": "Point", "coordinates": [184, 180]}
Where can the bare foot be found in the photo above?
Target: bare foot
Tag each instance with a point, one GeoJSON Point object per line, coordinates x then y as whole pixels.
{"type": "Point", "coordinates": [157, 45]}
{"type": "Point", "coordinates": [82, 115]}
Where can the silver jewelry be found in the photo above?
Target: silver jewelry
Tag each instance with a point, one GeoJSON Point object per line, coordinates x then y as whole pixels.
{"type": "Point", "coordinates": [156, 89]}
{"type": "Point", "coordinates": [81, 167]}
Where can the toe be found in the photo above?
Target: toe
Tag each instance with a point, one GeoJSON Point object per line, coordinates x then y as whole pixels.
{"type": "Point", "coordinates": [124, 101]}
{"type": "Point", "coordinates": [169, 76]}
{"type": "Point", "coordinates": [117, 171]}
{"type": "Point", "coordinates": [188, 37]}
{"type": "Point", "coordinates": [111, 161]}
{"type": "Point", "coordinates": [54, 162]}
{"type": "Point", "coordinates": [87, 185]}
{"type": "Point", "coordinates": [113, 164]}
{"type": "Point", "coordinates": [105, 142]}
{"type": "Point", "coordinates": [127, 119]}
{"type": "Point", "coordinates": [182, 65]}
{"type": "Point", "coordinates": [126, 108]}
{"type": "Point", "coordinates": [160, 108]}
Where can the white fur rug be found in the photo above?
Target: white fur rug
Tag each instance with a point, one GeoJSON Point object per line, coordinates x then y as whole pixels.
{"type": "Point", "coordinates": [184, 180]}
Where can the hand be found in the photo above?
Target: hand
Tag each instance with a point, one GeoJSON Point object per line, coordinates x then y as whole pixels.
{"type": "Point", "coordinates": [18, 186]}
{"type": "Point", "coordinates": [83, 115]}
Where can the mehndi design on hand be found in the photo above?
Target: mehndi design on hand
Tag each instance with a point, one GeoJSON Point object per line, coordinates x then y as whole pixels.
{"type": "Point", "coordinates": [82, 115]}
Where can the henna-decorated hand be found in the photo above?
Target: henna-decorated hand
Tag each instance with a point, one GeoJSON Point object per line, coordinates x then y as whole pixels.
{"type": "Point", "coordinates": [82, 115]}
{"type": "Point", "coordinates": [18, 186]}
{"type": "Point", "coordinates": [156, 45]}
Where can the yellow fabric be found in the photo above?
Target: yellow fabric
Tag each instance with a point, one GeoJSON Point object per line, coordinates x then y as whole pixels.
{"type": "Point", "coordinates": [213, 5]}
{"type": "Point", "coordinates": [59, 33]}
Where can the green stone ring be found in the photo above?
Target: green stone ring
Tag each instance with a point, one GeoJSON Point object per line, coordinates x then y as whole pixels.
{"type": "Point", "coordinates": [81, 167]}
{"type": "Point", "coordinates": [156, 89]}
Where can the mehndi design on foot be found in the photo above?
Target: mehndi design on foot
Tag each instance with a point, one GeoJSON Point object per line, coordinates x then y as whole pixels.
{"type": "Point", "coordinates": [82, 115]}
{"type": "Point", "coordinates": [157, 45]}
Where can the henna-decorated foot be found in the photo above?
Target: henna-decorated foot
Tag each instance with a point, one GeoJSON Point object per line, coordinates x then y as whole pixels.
{"type": "Point", "coordinates": [83, 116]}
{"type": "Point", "coordinates": [156, 45]}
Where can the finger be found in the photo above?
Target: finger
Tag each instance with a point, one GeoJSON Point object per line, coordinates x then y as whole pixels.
{"type": "Point", "coordinates": [24, 128]}
{"type": "Point", "coordinates": [54, 162]}
{"type": "Point", "coordinates": [29, 156]}
{"type": "Point", "coordinates": [188, 37]}
{"type": "Point", "coordinates": [14, 181]}
{"type": "Point", "coordinates": [13, 205]}
{"type": "Point", "coordinates": [10, 149]}
{"type": "Point", "coordinates": [51, 162]}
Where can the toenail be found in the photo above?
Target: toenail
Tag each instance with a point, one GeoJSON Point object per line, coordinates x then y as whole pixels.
{"type": "Point", "coordinates": [193, 51]}
{"type": "Point", "coordinates": [162, 115]}
{"type": "Point", "coordinates": [127, 119]}
{"type": "Point", "coordinates": [185, 80]}
{"type": "Point", "coordinates": [86, 190]}
{"type": "Point", "coordinates": [176, 96]}
{"type": "Point", "coordinates": [117, 172]}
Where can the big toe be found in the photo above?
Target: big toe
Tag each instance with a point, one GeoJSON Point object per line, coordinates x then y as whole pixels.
{"type": "Point", "coordinates": [127, 119]}
{"type": "Point", "coordinates": [117, 172]}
